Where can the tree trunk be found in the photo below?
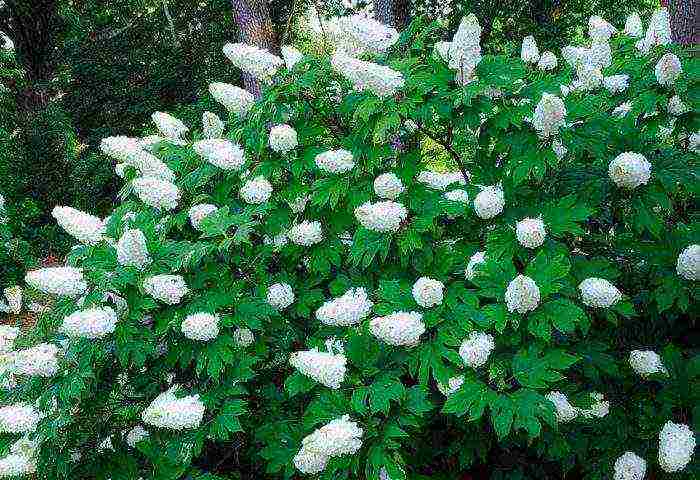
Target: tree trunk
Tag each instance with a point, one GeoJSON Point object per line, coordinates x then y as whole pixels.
{"type": "Point", "coordinates": [684, 21]}
{"type": "Point", "coordinates": [392, 12]}
{"type": "Point", "coordinates": [252, 17]}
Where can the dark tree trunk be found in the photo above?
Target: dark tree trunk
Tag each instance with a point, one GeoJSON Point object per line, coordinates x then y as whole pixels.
{"type": "Point", "coordinates": [252, 17]}
{"type": "Point", "coordinates": [684, 21]}
{"type": "Point", "coordinates": [392, 12]}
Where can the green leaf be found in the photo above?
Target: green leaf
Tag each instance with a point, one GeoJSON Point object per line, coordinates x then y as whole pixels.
{"type": "Point", "coordinates": [561, 314]}
{"type": "Point", "coordinates": [472, 397]}
{"type": "Point", "coordinates": [548, 269]}
{"type": "Point", "coordinates": [536, 369]}
{"type": "Point", "coordinates": [297, 383]}
{"type": "Point", "coordinates": [502, 414]}
{"type": "Point", "coordinates": [563, 216]}
{"type": "Point", "coordinates": [417, 400]}
{"type": "Point", "coordinates": [529, 408]}
{"type": "Point", "coordinates": [385, 389]}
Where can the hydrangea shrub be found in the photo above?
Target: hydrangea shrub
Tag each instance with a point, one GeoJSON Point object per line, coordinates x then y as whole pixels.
{"type": "Point", "coordinates": [299, 291]}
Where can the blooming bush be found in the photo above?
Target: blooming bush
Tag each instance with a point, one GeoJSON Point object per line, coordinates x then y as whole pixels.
{"type": "Point", "coordinates": [307, 295]}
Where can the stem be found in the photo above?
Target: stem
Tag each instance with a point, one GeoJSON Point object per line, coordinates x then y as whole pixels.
{"type": "Point", "coordinates": [448, 146]}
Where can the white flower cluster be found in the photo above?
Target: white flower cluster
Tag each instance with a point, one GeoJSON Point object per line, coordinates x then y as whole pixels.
{"type": "Point", "coordinates": [463, 53]}
{"type": "Point", "coordinates": [291, 56]}
{"type": "Point", "coordinates": [616, 83]}
{"type": "Point", "coordinates": [453, 384]}
{"type": "Point", "coordinates": [243, 337]}
{"type": "Point", "coordinates": [676, 106]}
{"type": "Point", "coordinates": [629, 466]}
{"type": "Point", "coordinates": [378, 79]}
{"type": "Point", "coordinates": [169, 411]}
{"type": "Point", "coordinates": [280, 295]}
{"type": "Point", "coordinates": [529, 53]}
{"type": "Point", "coordinates": [335, 161]}
{"type": "Point", "coordinates": [599, 408]}
{"type": "Point", "coordinates": [254, 61]}
{"type": "Point", "coordinates": [199, 212]}
{"type": "Point", "coordinates": [147, 165]}
{"type": "Point", "coordinates": [522, 295]}
{"type": "Point", "coordinates": [550, 115]}
{"type": "Point", "coordinates": [120, 148]}
{"type": "Point", "coordinates": [548, 61]}
{"type": "Point", "coordinates": [676, 446]}
{"type": "Point", "coordinates": [530, 232]}
{"type": "Point", "coordinates": [21, 460]}
{"type": "Point", "coordinates": [200, 326]}
{"type": "Point", "coordinates": [349, 309]}
{"type": "Point", "coordinates": [283, 138]}
{"type": "Point", "coordinates": [90, 323]}
{"type": "Point", "coordinates": [8, 335]}
{"type": "Point", "coordinates": [18, 418]}
{"type": "Point", "coordinates": [326, 368]}
{"type": "Point", "coordinates": [167, 288]}
{"type": "Point", "coordinates": [136, 435]}
{"type": "Point", "coordinates": [156, 193]}
{"type": "Point", "coordinates": [220, 153]}
{"type": "Point", "coordinates": [475, 260]}
{"type": "Point", "coordinates": [599, 29]}
{"type": "Point", "coordinates": [306, 233]}
{"type": "Point", "coordinates": [630, 170]}
{"type": "Point", "coordinates": [646, 362]}
{"type": "Point", "coordinates": [476, 348]}
{"type": "Point", "coordinates": [212, 126]}
{"type": "Point", "coordinates": [255, 191]}
{"type": "Point", "coordinates": [13, 296]}
{"type": "Point", "coordinates": [84, 227]}
{"type": "Point", "coordinates": [563, 410]}
{"type": "Point", "coordinates": [633, 25]}
{"type": "Point", "coordinates": [658, 32]}
{"type": "Point", "coordinates": [688, 263]}
{"type": "Point", "coordinates": [459, 196]}
{"type": "Point", "coordinates": [399, 328]}
{"type": "Point", "coordinates": [599, 293]}
{"type": "Point", "coordinates": [388, 186]}
{"type": "Point", "coordinates": [38, 361]}
{"type": "Point", "coordinates": [235, 99]}
{"type": "Point", "coordinates": [372, 35]}
{"type": "Point", "coordinates": [335, 439]}
{"type": "Point", "coordinates": [65, 281]}
{"type": "Point", "coordinates": [168, 125]}
{"type": "Point", "coordinates": [489, 202]}
{"type": "Point", "coordinates": [668, 69]}
{"type": "Point", "coordinates": [132, 250]}
{"type": "Point", "coordinates": [428, 292]}
{"type": "Point", "coordinates": [385, 216]}
{"type": "Point", "coordinates": [440, 181]}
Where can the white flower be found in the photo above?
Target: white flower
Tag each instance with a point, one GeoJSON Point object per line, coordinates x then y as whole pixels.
{"type": "Point", "coordinates": [372, 35]}
{"type": "Point", "coordinates": [399, 328]}
{"type": "Point", "coordinates": [529, 53]}
{"type": "Point", "coordinates": [440, 181]}
{"type": "Point", "coordinates": [212, 126]}
{"type": "Point", "coordinates": [599, 408]}
{"type": "Point", "coordinates": [694, 142]}
{"type": "Point", "coordinates": [548, 61]}
{"type": "Point", "coordinates": [530, 232]}
{"type": "Point", "coordinates": [559, 149]}
{"type": "Point", "coordinates": [574, 55]}
{"type": "Point", "coordinates": [132, 250]}
{"type": "Point", "coordinates": [339, 437]}
{"type": "Point", "coordinates": [428, 292]}
{"type": "Point", "coordinates": [220, 153]}
{"type": "Point", "coordinates": [168, 411]}
{"type": "Point", "coordinates": [464, 52]}
{"type": "Point", "coordinates": [549, 116]}
{"type": "Point", "coordinates": [13, 295]}
{"type": "Point", "coordinates": [298, 205]}
{"type": "Point", "coordinates": [16, 464]}
{"type": "Point", "coordinates": [646, 362]}
{"type": "Point", "coordinates": [199, 212]}
{"type": "Point", "coordinates": [18, 418]}
{"type": "Point", "coordinates": [156, 193]}
{"type": "Point", "coordinates": [378, 79]}
{"type": "Point", "coordinates": [688, 263]}
{"type": "Point", "coordinates": [120, 148]}
{"type": "Point", "coordinates": [522, 295]}
{"type": "Point", "coordinates": [90, 323]}
{"type": "Point", "coordinates": [676, 446]}
{"type": "Point", "coordinates": [349, 309]}
{"type": "Point", "coordinates": [283, 138]}
{"type": "Point", "coordinates": [168, 125]}
{"type": "Point", "coordinates": [630, 170]}
{"type": "Point", "coordinates": [201, 326]}
{"type": "Point", "coordinates": [589, 77]}
{"type": "Point", "coordinates": [325, 368]}
{"type": "Point", "coordinates": [616, 83]}
{"type": "Point", "coordinates": [254, 61]}
{"type": "Point", "coordinates": [37, 361]}
{"type": "Point", "coordinates": [167, 288]}
{"type": "Point", "coordinates": [633, 26]}
{"type": "Point", "coordinates": [136, 435]}
{"type": "Point", "coordinates": [243, 337]}
{"type": "Point", "coordinates": [291, 56]}
{"type": "Point", "coordinates": [630, 467]}
{"type": "Point", "coordinates": [385, 216]}
{"type": "Point", "coordinates": [234, 99]}
{"type": "Point", "coordinates": [335, 161]}
{"type": "Point", "coordinates": [280, 295]}
{"type": "Point", "coordinates": [564, 411]}
{"type": "Point", "coordinates": [599, 29]}
{"type": "Point", "coordinates": [388, 186]}
{"type": "Point", "coordinates": [676, 106]}
{"type": "Point", "coordinates": [306, 233]}
{"type": "Point", "coordinates": [84, 227]}
{"type": "Point", "coordinates": [8, 335]}
{"type": "Point", "coordinates": [147, 165]}
{"type": "Point", "coordinates": [256, 191]}
{"type": "Point", "coordinates": [476, 348]}
{"type": "Point", "coordinates": [475, 260]}
{"type": "Point", "coordinates": [453, 384]}
{"type": "Point", "coordinates": [599, 293]}
{"type": "Point", "coordinates": [459, 196]}
{"type": "Point", "coordinates": [622, 109]}
{"type": "Point", "coordinates": [66, 281]}
{"type": "Point", "coordinates": [658, 32]}
{"type": "Point", "coordinates": [489, 202]}
{"type": "Point", "coordinates": [668, 69]}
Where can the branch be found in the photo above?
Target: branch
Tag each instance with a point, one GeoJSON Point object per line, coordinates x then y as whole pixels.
{"type": "Point", "coordinates": [447, 144]}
